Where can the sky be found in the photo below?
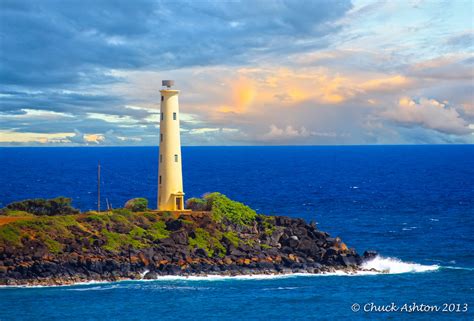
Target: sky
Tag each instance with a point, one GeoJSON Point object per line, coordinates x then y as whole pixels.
{"type": "Point", "coordinates": [88, 73]}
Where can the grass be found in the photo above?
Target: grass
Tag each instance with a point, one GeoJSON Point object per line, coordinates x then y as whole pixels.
{"type": "Point", "coordinates": [53, 246]}
{"type": "Point", "coordinates": [119, 241]}
{"type": "Point", "coordinates": [120, 229]}
{"type": "Point", "coordinates": [210, 244]}
{"type": "Point", "coordinates": [158, 231]}
{"type": "Point", "coordinates": [15, 213]}
{"type": "Point", "coordinates": [232, 237]}
{"type": "Point", "coordinates": [268, 224]}
{"type": "Point", "coordinates": [10, 234]}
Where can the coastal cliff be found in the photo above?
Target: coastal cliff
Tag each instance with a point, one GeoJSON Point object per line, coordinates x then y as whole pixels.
{"type": "Point", "coordinates": [219, 237]}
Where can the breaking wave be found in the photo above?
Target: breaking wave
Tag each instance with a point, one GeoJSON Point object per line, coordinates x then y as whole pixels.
{"type": "Point", "coordinates": [376, 266]}
{"type": "Point", "coordinates": [389, 265]}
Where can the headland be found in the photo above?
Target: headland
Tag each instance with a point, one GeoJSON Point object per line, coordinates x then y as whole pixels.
{"type": "Point", "coordinates": [47, 242]}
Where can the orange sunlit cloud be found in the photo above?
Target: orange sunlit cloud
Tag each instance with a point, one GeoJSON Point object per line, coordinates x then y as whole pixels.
{"type": "Point", "coordinates": [288, 87]}
{"type": "Point", "coordinates": [243, 93]}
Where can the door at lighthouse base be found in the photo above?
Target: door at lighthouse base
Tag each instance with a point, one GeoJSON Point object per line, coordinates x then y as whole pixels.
{"type": "Point", "coordinates": [179, 201]}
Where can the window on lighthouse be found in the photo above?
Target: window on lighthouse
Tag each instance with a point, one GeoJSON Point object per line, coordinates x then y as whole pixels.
{"type": "Point", "coordinates": [162, 98]}
{"type": "Point", "coordinates": [176, 158]}
{"type": "Point", "coordinates": [161, 158]}
{"type": "Point", "coordinates": [174, 116]}
{"type": "Point", "coordinates": [161, 137]}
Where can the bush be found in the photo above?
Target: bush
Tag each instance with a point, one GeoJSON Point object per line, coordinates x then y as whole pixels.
{"type": "Point", "coordinates": [41, 206]}
{"type": "Point", "coordinates": [204, 240]}
{"type": "Point", "coordinates": [197, 204]}
{"type": "Point", "coordinates": [139, 204]}
{"type": "Point", "coordinates": [223, 208]}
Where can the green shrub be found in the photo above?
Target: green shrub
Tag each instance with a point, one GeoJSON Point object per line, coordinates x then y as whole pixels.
{"type": "Point", "coordinates": [53, 246]}
{"type": "Point", "coordinates": [197, 204]}
{"type": "Point", "coordinates": [116, 241]}
{"type": "Point", "coordinates": [150, 216]}
{"type": "Point", "coordinates": [232, 237]}
{"type": "Point", "coordinates": [137, 232]}
{"type": "Point", "coordinates": [96, 218]}
{"type": "Point", "coordinates": [268, 224]}
{"type": "Point", "coordinates": [203, 240]}
{"type": "Point", "coordinates": [139, 204]}
{"type": "Point", "coordinates": [122, 211]}
{"type": "Point", "coordinates": [41, 207]}
{"type": "Point", "coordinates": [10, 234]}
{"type": "Point", "coordinates": [167, 215]}
{"type": "Point", "coordinates": [223, 208]}
{"type": "Point", "coordinates": [158, 231]}
{"type": "Point", "coordinates": [14, 213]}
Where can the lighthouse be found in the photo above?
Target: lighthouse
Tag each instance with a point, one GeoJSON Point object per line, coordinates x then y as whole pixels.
{"type": "Point", "coordinates": [170, 176]}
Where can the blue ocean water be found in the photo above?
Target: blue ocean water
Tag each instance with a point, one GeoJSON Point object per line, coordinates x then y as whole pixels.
{"type": "Point", "coordinates": [411, 203]}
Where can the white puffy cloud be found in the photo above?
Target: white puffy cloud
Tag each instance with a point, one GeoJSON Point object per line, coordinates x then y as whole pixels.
{"type": "Point", "coordinates": [285, 133]}
{"type": "Point", "coordinates": [428, 113]}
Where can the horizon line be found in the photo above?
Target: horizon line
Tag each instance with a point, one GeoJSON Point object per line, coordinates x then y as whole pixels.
{"type": "Point", "coordinates": [306, 145]}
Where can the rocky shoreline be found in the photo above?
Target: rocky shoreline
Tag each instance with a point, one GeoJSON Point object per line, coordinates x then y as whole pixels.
{"type": "Point", "coordinates": [122, 245]}
{"type": "Point", "coordinates": [150, 276]}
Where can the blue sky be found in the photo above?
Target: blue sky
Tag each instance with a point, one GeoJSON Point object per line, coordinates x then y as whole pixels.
{"type": "Point", "coordinates": [79, 73]}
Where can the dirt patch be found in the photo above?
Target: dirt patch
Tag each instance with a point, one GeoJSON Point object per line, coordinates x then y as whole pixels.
{"type": "Point", "coordinates": [9, 219]}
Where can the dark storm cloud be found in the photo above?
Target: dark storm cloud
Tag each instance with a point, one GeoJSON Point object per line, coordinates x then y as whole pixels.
{"type": "Point", "coordinates": [12, 101]}
{"type": "Point", "coordinates": [62, 43]}
{"type": "Point", "coordinates": [60, 56]}
{"type": "Point", "coordinates": [58, 43]}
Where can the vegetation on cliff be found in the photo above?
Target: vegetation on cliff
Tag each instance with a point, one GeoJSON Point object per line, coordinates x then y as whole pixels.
{"type": "Point", "coordinates": [223, 209]}
{"type": "Point", "coordinates": [129, 228]}
{"type": "Point", "coordinates": [219, 236]}
{"type": "Point", "coordinates": [139, 204]}
{"type": "Point", "coordinates": [56, 206]}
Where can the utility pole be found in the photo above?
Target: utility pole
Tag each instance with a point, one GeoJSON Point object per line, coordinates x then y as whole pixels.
{"type": "Point", "coordinates": [98, 187]}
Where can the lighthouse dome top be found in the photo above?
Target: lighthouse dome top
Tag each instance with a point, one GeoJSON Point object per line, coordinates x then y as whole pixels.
{"type": "Point", "coordinates": [167, 83]}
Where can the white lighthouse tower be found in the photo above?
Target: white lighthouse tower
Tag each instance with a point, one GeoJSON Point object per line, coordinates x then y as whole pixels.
{"type": "Point", "coordinates": [170, 177]}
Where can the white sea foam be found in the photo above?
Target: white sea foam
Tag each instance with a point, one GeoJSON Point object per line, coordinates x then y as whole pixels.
{"type": "Point", "coordinates": [390, 265]}
{"type": "Point", "coordinates": [142, 275]}
{"type": "Point", "coordinates": [378, 265]}
{"type": "Point", "coordinates": [458, 268]}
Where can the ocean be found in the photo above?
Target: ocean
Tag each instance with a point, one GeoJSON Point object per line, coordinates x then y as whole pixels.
{"type": "Point", "coordinates": [412, 204]}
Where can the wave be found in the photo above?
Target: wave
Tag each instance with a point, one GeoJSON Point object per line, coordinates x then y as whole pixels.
{"type": "Point", "coordinates": [389, 265]}
{"type": "Point", "coordinates": [377, 266]}
{"type": "Point", "coordinates": [457, 268]}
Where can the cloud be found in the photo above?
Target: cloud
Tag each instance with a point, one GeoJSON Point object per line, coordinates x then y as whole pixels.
{"type": "Point", "coordinates": [251, 72]}
{"type": "Point", "coordinates": [455, 67]}
{"type": "Point", "coordinates": [428, 113]}
{"type": "Point", "coordinates": [289, 134]}
{"type": "Point", "coordinates": [285, 133]}
{"type": "Point", "coordinates": [80, 41]}
{"type": "Point", "coordinates": [463, 40]}
{"type": "Point", "coordinates": [93, 138]}
{"type": "Point", "coordinates": [13, 138]}
{"type": "Point", "coordinates": [385, 84]}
